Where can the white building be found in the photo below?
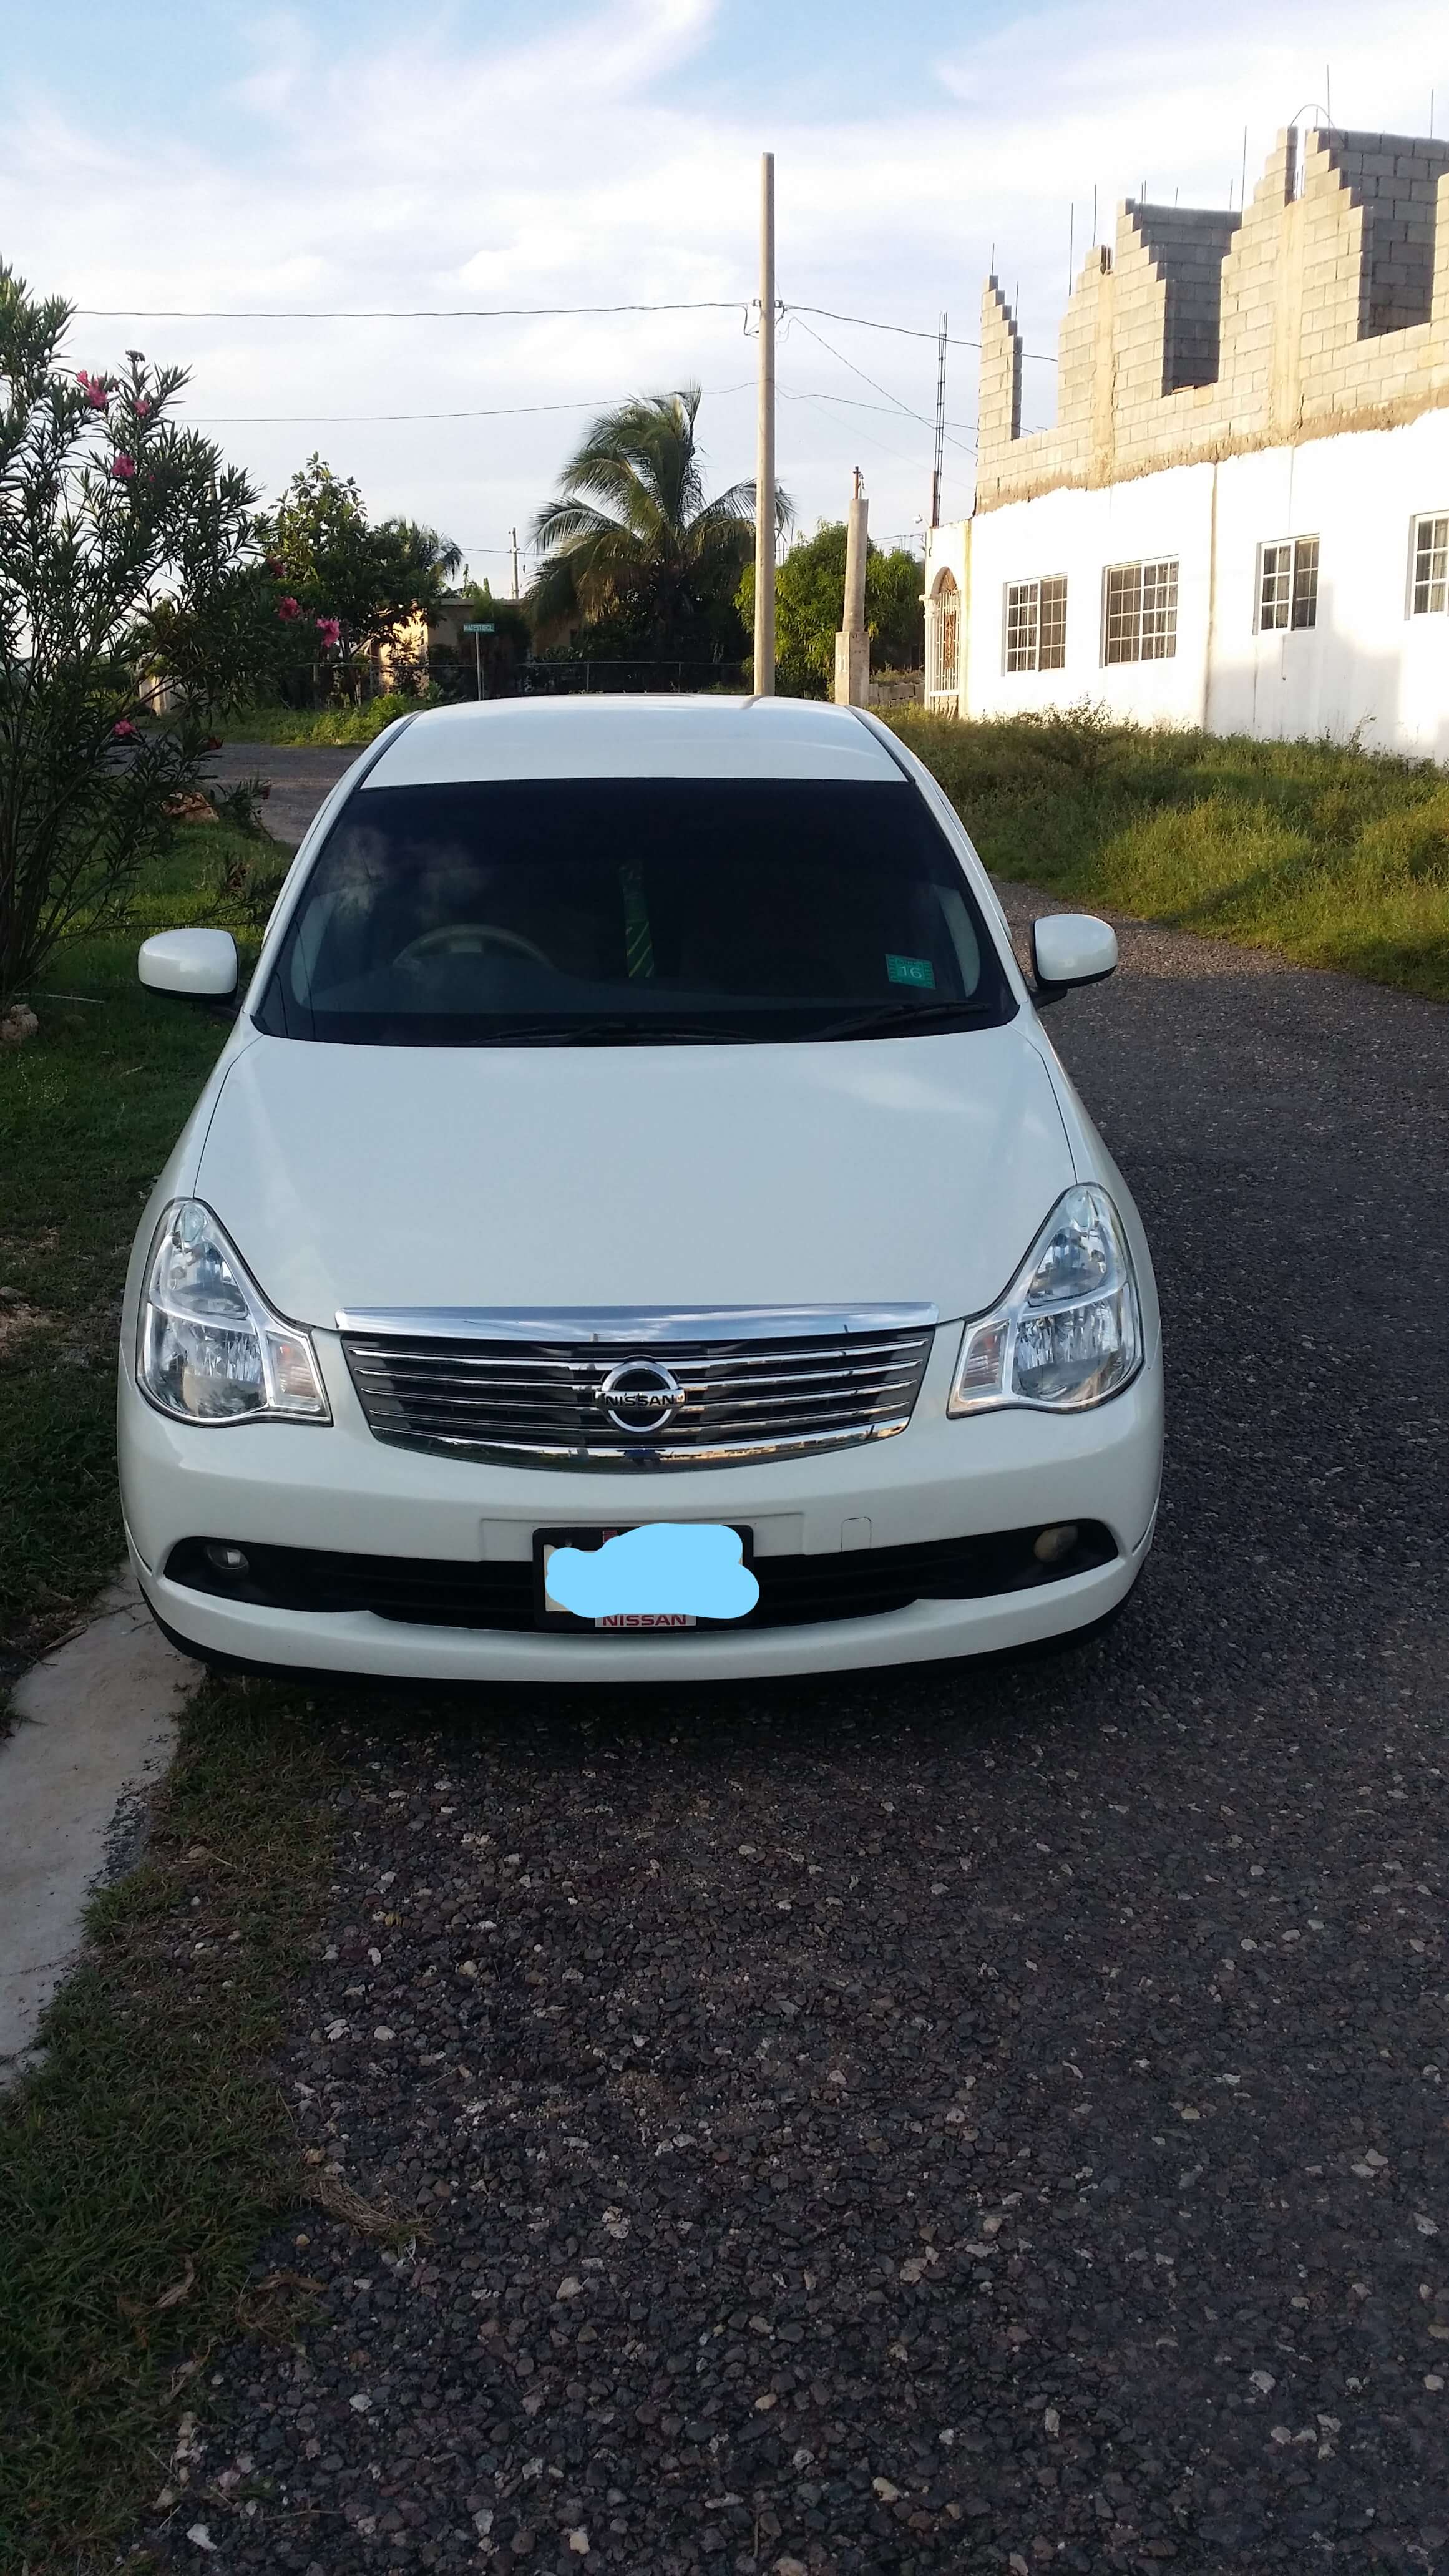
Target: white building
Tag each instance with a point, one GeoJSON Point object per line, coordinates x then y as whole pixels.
{"type": "Point", "coordinates": [1240, 519]}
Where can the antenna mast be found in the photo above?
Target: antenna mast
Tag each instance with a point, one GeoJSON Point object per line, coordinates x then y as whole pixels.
{"type": "Point", "coordinates": [940, 421]}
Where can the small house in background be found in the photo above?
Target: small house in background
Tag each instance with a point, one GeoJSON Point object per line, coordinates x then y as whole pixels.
{"type": "Point", "coordinates": [441, 651]}
{"type": "Point", "coordinates": [1240, 517]}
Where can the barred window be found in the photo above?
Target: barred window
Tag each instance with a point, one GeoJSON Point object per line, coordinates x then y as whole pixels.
{"type": "Point", "coordinates": [1140, 613]}
{"type": "Point", "coordinates": [1431, 566]}
{"type": "Point", "coordinates": [1036, 625]}
{"type": "Point", "coordinates": [1288, 583]}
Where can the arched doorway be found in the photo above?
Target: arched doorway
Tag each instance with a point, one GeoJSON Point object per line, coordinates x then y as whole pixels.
{"type": "Point", "coordinates": [943, 646]}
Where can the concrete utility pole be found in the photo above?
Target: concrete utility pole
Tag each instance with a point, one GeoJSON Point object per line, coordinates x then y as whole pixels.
{"type": "Point", "coordinates": [852, 644]}
{"type": "Point", "coordinates": [765, 444]}
{"type": "Point", "coordinates": [513, 541]}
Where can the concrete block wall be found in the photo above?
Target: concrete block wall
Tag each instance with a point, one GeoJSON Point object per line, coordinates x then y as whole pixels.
{"type": "Point", "coordinates": [1187, 246]}
{"type": "Point", "coordinates": [1323, 306]}
{"type": "Point", "coordinates": [1394, 180]}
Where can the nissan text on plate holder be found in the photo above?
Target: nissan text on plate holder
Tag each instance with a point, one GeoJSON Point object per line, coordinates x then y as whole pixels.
{"type": "Point", "coordinates": [637, 1165]}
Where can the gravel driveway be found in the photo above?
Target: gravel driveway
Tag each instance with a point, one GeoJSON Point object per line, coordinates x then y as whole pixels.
{"type": "Point", "coordinates": [989, 2118]}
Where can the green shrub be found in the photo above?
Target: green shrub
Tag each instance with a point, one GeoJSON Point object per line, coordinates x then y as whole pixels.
{"type": "Point", "coordinates": [1330, 854]}
{"type": "Point", "coordinates": [294, 727]}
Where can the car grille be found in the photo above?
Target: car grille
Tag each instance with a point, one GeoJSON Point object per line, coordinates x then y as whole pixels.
{"type": "Point", "coordinates": [795, 1591]}
{"type": "Point", "coordinates": [624, 1403]}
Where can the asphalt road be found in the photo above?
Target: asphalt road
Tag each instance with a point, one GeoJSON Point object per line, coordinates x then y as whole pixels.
{"type": "Point", "coordinates": [298, 780]}
{"type": "Point", "coordinates": [991, 2118]}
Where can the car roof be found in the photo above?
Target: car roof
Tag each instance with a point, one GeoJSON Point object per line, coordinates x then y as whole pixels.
{"type": "Point", "coordinates": [632, 737]}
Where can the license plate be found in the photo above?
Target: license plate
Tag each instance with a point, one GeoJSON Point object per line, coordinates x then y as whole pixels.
{"type": "Point", "coordinates": [551, 1613]}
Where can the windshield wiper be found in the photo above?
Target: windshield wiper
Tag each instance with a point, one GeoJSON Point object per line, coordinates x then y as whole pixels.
{"type": "Point", "coordinates": [616, 1032]}
{"type": "Point", "coordinates": [905, 1015]}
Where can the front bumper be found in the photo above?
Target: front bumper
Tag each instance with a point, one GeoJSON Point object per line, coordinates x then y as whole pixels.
{"type": "Point", "coordinates": [337, 1488]}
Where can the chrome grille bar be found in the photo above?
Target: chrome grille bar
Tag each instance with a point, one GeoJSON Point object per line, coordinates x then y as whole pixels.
{"type": "Point", "coordinates": [729, 1390]}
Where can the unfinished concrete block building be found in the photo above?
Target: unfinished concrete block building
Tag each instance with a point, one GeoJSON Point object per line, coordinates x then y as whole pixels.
{"type": "Point", "coordinates": [1240, 516]}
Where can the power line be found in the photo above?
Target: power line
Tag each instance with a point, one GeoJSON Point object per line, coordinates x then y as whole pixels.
{"type": "Point", "coordinates": [904, 331]}
{"type": "Point", "coordinates": [400, 313]}
{"type": "Point", "coordinates": [500, 313]}
{"type": "Point", "coordinates": [869, 380]}
{"type": "Point", "coordinates": [852, 402]}
{"type": "Point", "coordinates": [868, 435]}
{"type": "Point", "coordinates": [334, 419]}
{"type": "Point", "coordinates": [503, 411]}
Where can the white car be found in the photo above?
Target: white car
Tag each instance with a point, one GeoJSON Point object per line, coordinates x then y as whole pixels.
{"type": "Point", "coordinates": [636, 1227]}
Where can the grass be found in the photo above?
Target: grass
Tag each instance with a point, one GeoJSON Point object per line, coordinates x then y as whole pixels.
{"type": "Point", "coordinates": [144, 2161]}
{"type": "Point", "coordinates": [151, 2148]}
{"type": "Point", "coordinates": [1329, 855]}
{"type": "Point", "coordinates": [345, 725]}
{"type": "Point", "coordinates": [89, 1111]}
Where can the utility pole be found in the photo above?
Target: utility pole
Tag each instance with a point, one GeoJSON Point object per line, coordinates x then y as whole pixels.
{"type": "Point", "coordinates": [940, 421]}
{"type": "Point", "coordinates": [513, 541]}
{"type": "Point", "coordinates": [765, 444]}
{"type": "Point", "coordinates": [852, 644]}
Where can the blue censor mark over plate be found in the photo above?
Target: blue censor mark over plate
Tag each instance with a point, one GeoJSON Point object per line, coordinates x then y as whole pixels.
{"type": "Point", "coordinates": [682, 1570]}
{"type": "Point", "coordinates": [911, 970]}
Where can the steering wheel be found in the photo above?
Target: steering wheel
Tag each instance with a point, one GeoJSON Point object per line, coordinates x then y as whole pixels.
{"type": "Point", "coordinates": [469, 939]}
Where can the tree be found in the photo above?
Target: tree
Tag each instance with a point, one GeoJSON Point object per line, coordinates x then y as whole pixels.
{"type": "Point", "coordinates": [633, 549]}
{"type": "Point", "coordinates": [810, 602]}
{"type": "Point", "coordinates": [110, 517]}
{"type": "Point", "coordinates": [356, 582]}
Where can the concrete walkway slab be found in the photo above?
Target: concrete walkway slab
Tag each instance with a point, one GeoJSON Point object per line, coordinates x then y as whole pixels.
{"type": "Point", "coordinates": [97, 1727]}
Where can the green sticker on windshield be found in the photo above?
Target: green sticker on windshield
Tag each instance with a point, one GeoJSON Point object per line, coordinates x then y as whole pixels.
{"type": "Point", "coordinates": [911, 970]}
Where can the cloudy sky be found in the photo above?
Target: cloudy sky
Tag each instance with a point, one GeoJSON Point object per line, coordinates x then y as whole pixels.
{"type": "Point", "coordinates": [179, 156]}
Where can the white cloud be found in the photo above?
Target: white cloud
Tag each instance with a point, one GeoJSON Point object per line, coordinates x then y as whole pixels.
{"type": "Point", "coordinates": [592, 163]}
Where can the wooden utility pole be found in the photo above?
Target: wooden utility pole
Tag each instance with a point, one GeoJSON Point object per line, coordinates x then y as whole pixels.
{"type": "Point", "coordinates": [513, 541]}
{"type": "Point", "coordinates": [765, 444]}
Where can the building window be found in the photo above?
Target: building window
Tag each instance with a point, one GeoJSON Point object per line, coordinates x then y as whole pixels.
{"type": "Point", "coordinates": [1140, 613]}
{"type": "Point", "coordinates": [1288, 583]}
{"type": "Point", "coordinates": [1036, 625]}
{"type": "Point", "coordinates": [1431, 566]}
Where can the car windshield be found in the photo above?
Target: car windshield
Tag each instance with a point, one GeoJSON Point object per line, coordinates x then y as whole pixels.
{"type": "Point", "coordinates": [628, 911]}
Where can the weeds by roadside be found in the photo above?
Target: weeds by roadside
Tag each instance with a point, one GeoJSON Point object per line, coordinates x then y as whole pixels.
{"type": "Point", "coordinates": [1331, 855]}
{"type": "Point", "coordinates": [144, 2160]}
{"type": "Point", "coordinates": [89, 1110]}
{"type": "Point", "coordinates": [291, 727]}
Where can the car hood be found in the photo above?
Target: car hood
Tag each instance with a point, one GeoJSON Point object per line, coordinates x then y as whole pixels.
{"type": "Point", "coordinates": [893, 1170]}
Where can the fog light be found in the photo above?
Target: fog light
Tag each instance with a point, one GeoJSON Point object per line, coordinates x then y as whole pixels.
{"type": "Point", "coordinates": [1051, 1545]}
{"type": "Point", "coordinates": [233, 1560]}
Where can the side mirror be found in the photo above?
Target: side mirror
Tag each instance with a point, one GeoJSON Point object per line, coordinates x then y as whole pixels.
{"type": "Point", "coordinates": [1070, 948]}
{"type": "Point", "coordinates": [200, 964]}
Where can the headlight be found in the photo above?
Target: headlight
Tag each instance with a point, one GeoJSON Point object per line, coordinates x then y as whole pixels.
{"type": "Point", "coordinates": [208, 1346]}
{"type": "Point", "coordinates": [1068, 1332]}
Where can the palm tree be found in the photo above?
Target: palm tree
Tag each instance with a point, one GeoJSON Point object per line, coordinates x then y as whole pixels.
{"type": "Point", "coordinates": [435, 559]}
{"type": "Point", "coordinates": [631, 536]}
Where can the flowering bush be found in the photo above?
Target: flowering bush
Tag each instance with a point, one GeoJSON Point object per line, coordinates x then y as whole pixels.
{"type": "Point", "coordinates": [116, 526]}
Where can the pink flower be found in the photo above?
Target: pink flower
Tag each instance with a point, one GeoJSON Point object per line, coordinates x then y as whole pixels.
{"type": "Point", "coordinates": [124, 731]}
{"type": "Point", "coordinates": [330, 630]}
{"type": "Point", "coordinates": [124, 467]}
{"type": "Point", "coordinates": [98, 392]}
{"type": "Point", "coordinates": [289, 608]}
{"type": "Point", "coordinates": [141, 406]}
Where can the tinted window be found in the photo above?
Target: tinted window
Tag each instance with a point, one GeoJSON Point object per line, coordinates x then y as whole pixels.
{"type": "Point", "coordinates": [614, 910]}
